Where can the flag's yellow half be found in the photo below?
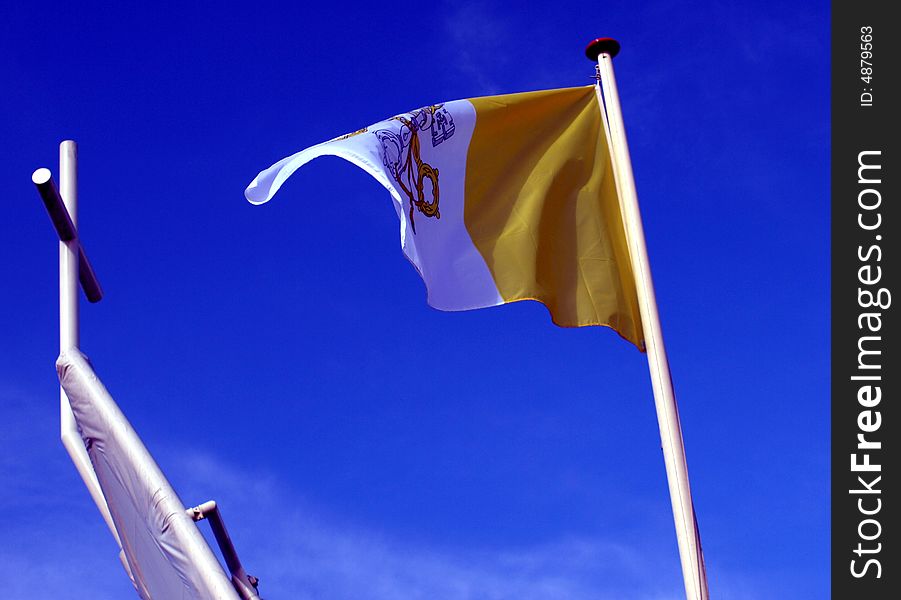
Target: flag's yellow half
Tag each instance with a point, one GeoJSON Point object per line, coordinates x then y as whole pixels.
{"type": "Point", "coordinates": [502, 198]}
{"type": "Point", "coordinates": [541, 207]}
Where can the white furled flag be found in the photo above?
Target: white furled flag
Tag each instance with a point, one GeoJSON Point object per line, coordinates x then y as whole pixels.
{"type": "Point", "coordinates": [166, 553]}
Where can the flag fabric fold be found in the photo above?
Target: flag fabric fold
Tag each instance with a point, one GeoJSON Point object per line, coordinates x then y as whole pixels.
{"type": "Point", "coordinates": [501, 199]}
{"type": "Point", "coordinates": [166, 553]}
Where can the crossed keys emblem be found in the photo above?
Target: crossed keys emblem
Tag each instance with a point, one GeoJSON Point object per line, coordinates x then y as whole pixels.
{"type": "Point", "coordinates": [400, 154]}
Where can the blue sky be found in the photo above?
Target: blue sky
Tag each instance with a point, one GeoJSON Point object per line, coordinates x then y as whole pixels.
{"type": "Point", "coordinates": [282, 359]}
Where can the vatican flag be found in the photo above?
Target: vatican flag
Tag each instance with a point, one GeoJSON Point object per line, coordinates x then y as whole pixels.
{"type": "Point", "coordinates": [500, 199]}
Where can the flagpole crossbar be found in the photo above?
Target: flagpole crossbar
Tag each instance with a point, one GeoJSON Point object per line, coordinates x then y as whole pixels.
{"type": "Point", "coordinates": [247, 585]}
{"type": "Point", "coordinates": [65, 229]}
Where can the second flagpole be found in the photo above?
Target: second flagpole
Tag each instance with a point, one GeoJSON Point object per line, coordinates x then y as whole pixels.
{"type": "Point", "coordinates": [693, 571]}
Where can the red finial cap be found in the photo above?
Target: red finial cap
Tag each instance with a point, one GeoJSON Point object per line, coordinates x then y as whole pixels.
{"type": "Point", "coordinates": [602, 46]}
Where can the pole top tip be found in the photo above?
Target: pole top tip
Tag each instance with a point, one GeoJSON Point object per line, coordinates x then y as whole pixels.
{"type": "Point", "coordinates": [41, 176]}
{"type": "Point", "coordinates": [600, 46]}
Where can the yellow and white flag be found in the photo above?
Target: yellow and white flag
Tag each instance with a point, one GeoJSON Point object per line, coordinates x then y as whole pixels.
{"type": "Point", "coordinates": [500, 199]}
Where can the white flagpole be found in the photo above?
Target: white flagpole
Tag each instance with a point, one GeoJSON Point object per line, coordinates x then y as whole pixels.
{"type": "Point", "coordinates": [99, 411]}
{"type": "Point", "coordinates": [68, 324]}
{"type": "Point", "coordinates": [687, 535]}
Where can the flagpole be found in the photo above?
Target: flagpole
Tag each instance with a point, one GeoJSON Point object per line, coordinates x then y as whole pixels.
{"type": "Point", "coordinates": [693, 572]}
{"type": "Point", "coordinates": [69, 254]}
{"type": "Point", "coordinates": [165, 516]}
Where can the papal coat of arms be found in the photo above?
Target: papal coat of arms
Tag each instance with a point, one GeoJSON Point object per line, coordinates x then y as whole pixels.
{"type": "Point", "coordinates": [400, 155]}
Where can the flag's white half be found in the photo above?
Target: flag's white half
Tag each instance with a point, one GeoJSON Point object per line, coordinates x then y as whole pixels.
{"type": "Point", "coordinates": [440, 248]}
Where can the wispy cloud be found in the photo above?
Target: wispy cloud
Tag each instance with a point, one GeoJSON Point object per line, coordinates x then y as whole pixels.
{"type": "Point", "coordinates": [52, 538]}
{"type": "Point", "coordinates": [58, 547]}
{"type": "Point", "coordinates": [299, 553]}
{"type": "Point", "coordinates": [53, 544]}
{"type": "Point", "coordinates": [479, 42]}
